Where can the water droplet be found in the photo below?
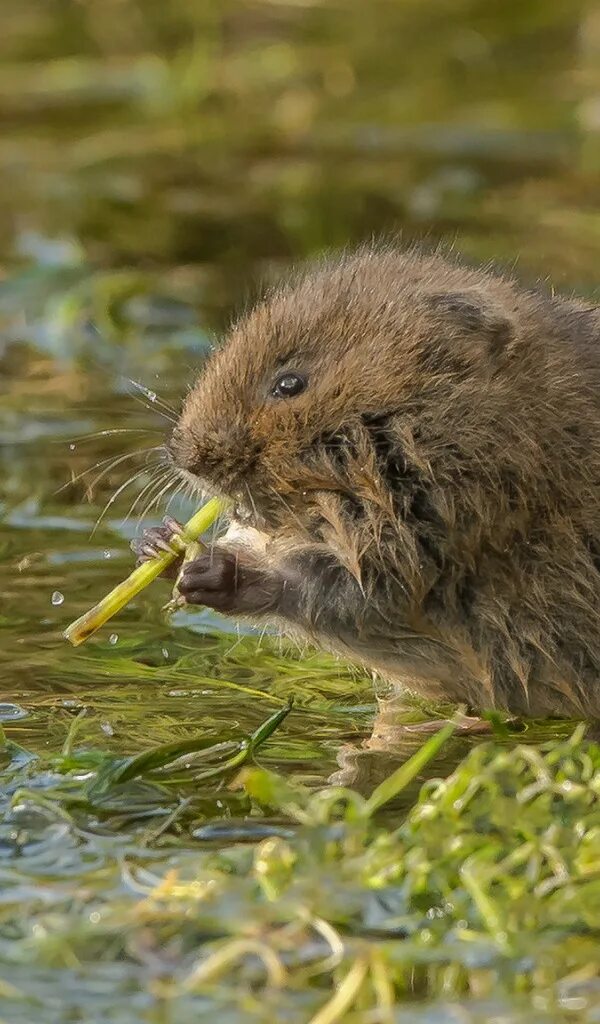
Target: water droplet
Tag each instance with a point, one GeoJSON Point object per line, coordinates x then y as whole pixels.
{"type": "Point", "coordinates": [72, 447]}
{"type": "Point", "coordinates": [151, 396]}
{"type": "Point", "coordinates": [113, 638]}
{"type": "Point", "coordinates": [107, 554]}
{"type": "Point", "coordinates": [57, 597]}
{"type": "Point", "coordinates": [165, 653]}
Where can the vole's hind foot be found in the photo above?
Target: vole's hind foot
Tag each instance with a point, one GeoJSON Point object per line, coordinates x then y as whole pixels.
{"type": "Point", "coordinates": [154, 541]}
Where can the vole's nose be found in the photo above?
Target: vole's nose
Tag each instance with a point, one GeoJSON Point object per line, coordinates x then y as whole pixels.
{"type": "Point", "coordinates": [224, 456]}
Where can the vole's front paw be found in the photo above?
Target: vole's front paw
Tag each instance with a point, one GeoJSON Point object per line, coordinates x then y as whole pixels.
{"type": "Point", "coordinates": [154, 541]}
{"type": "Point", "coordinates": [212, 580]}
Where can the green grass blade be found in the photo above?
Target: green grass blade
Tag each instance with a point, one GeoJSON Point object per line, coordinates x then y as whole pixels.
{"type": "Point", "coordinates": [404, 775]}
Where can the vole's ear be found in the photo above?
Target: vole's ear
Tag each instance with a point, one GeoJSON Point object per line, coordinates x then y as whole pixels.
{"type": "Point", "coordinates": [471, 317]}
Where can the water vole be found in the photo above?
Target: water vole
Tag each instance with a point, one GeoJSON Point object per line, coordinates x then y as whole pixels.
{"type": "Point", "coordinates": [413, 449]}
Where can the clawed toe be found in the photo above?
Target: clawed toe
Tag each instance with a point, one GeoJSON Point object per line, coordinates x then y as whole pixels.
{"type": "Point", "coordinates": [170, 524]}
{"type": "Point", "coordinates": [157, 540]}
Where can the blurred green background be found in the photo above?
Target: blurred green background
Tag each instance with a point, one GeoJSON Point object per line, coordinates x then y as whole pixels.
{"type": "Point", "coordinates": [233, 134]}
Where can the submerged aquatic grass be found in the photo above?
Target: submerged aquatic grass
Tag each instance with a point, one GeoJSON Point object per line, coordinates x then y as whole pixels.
{"type": "Point", "coordinates": [172, 892]}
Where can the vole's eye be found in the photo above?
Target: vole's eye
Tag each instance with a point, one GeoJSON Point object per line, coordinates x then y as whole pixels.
{"type": "Point", "coordinates": [288, 385]}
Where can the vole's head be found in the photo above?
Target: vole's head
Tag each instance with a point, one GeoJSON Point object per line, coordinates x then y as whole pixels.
{"type": "Point", "coordinates": [296, 399]}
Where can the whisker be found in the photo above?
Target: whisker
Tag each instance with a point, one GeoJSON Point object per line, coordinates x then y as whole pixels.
{"type": "Point", "coordinates": [156, 497]}
{"type": "Point", "coordinates": [252, 502]}
{"type": "Point", "coordinates": [236, 643]}
{"type": "Point", "coordinates": [193, 481]}
{"type": "Point", "coordinates": [149, 492]}
{"type": "Point", "coordinates": [150, 408]}
{"type": "Point", "coordinates": [151, 395]}
{"type": "Point", "coordinates": [142, 451]}
{"type": "Point", "coordinates": [174, 495]}
{"type": "Point", "coordinates": [222, 519]}
{"type": "Point", "coordinates": [114, 497]}
{"type": "Point", "coordinates": [157, 493]}
{"type": "Point", "coordinates": [216, 530]}
{"type": "Point", "coordinates": [157, 473]}
{"type": "Point", "coordinates": [106, 433]}
{"type": "Point", "coordinates": [113, 460]}
{"type": "Point", "coordinates": [156, 403]}
{"type": "Point", "coordinates": [192, 491]}
{"type": "Point", "coordinates": [261, 636]}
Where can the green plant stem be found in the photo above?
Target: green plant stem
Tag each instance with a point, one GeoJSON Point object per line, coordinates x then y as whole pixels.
{"type": "Point", "coordinates": [87, 624]}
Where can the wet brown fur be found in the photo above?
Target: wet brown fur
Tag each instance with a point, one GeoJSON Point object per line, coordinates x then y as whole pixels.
{"type": "Point", "coordinates": [432, 500]}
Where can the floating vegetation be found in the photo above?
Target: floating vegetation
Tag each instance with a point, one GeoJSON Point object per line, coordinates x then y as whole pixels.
{"type": "Point", "coordinates": [174, 885]}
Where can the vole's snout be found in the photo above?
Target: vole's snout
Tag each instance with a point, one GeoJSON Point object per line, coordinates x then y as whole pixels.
{"type": "Point", "coordinates": [224, 458]}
